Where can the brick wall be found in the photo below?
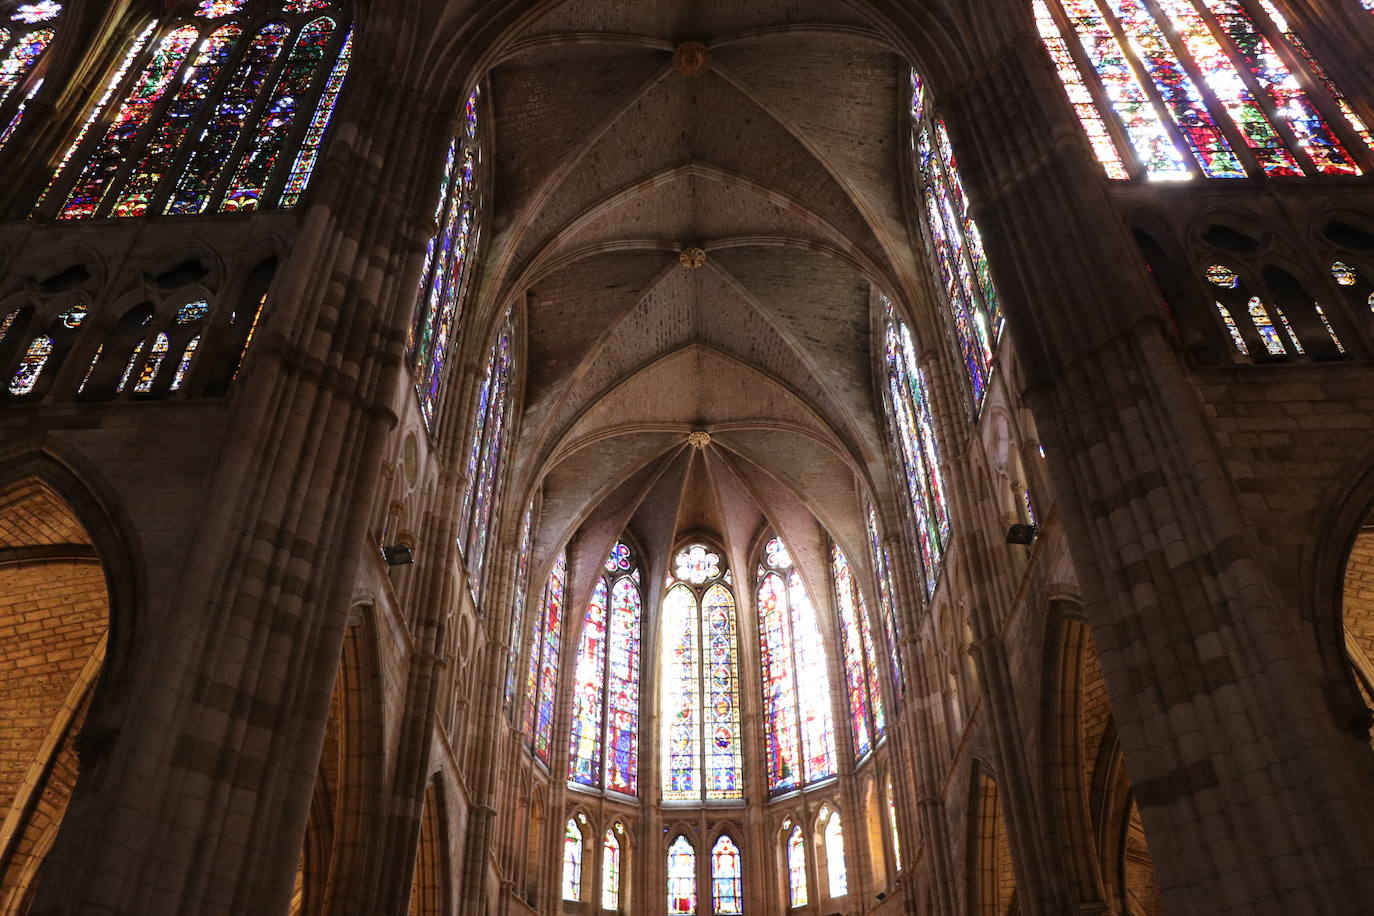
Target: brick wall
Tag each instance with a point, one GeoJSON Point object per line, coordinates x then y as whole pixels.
{"type": "Point", "coordinates": [52, 616]}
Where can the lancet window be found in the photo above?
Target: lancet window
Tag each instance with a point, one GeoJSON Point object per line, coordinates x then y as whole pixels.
{"type": "Point", "coordinates": [867, 715]}
{"type": "Point", "coordinates": [27, 31]}
{"type": "Point", "coordinates": [45, 350]}
{"type": "Point", "coordinates": [517, 614]}
{"type": "Point", "coordinates": [918, 452]}
{"type": "Point", "coordinates": [882, 569]}
{"type": "Point", "coordinates": [727, 878]}
{"type": "Point", "coordinates": [447, 274]}
{"type": "Point", "coordinates": [795, 852]}
{"type": "Point", "coordinates": [956, 247]}
{"type": "Point", "coordinates": [224, 109]}
{"type": "Point", "coordinates": [541, 681]}
{"type": "Point", "coordinates": [896, 831]}
{"type": "Point", "coordinates": [485, 453]}
{"type": "Point", "coordinates": [832, 835]}
{"type": "Point", "coordinates": [699, 682]}
{"type": "Point", "coordinates": [799, 727]}
{"type": "Point", "coordinates": [605, 701]}
{"type": "Point", "coordinates": [1260, 329]}
{"type": "Point", "coordinates": [611, 866]}
{"type": "Point", "coordinates": [1177, 89]}
{"type": "Point", "coordinates": [682, 878]}
{"type": "Point", "coordinates": [572, 861]}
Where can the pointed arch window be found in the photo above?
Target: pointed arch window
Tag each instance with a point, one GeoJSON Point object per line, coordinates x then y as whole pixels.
{"type": "Point", "coordinates": [1259, 328]}
{"type": "Point", "coordinates": [796, 867]}
{"type": "Point", "coordinates": [882, 568]}
{"type": "Point", "coordinates": [868, 717]}
{"type": "Point", "coordinates": [799, 727]}
{"type": "Point", "coordinates": [832, 834]}
{"type": "Point", "coordinates": [517, 614]}
{"type": "Point", "coordinates": [27, 31]}
{"type": "Point", "coordinates": [542, 679]}
{"type": "Point", "coordinates": [892, 824]}
{"type": "Point", "coordinates": [446, 278]}
{"type": "Point", "coordinates": [727, 878]}
{"type": "Point", "coordinates": [955, 247]}
{"type": "Point", "coordinates": [485, 453]}
{"type": "Point", "coordinates": [610, 870]}
{"type": "Point", "coordinates": [1175, 89]}
{"type": "Point", "coordinates": [45, 349]}
{"type": "Point", "coordinates": [223, 109]}
{"type": "Point", "coordinates": [699, 693]}
{"type": "Point", "coordinates": [682, 878]}
{"type": "Point", "coordinates": [606, 682]}
{"type": "Point", "coordinates": [572, 861]}
{"type": "Point", "coordinates": [913, 428]}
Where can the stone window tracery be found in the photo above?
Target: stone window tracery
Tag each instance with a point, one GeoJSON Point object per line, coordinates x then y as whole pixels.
{"type": "Point", "coordinates": [913, 428]}
{"type": "Point", "coordinates": [486, 453]}
{"type": "Point", "coordinates": [27, 31]}
{"type": "Point", "coordinates": [1178, 89]}
{"type": "Point", "coordinates": [699, 700]}
{"type": "Point", "coordinates": [224, 109]}
{"type": "Point", "coordinates": [446, 279]}
{"type": "Point", "coordinates": [542, 678]}
{"type": "Point", "coordinates": [868, 718]}
{"type": "Point", "coordinates": [605, 702]}
{"type": "Point", "coordinates": [799, 727]}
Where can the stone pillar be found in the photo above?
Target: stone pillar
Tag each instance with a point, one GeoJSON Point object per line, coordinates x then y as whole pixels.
{"type": "Point", "coordinates": [1249, 803]}
{"type": "Point", "coordinates": [197, 802]}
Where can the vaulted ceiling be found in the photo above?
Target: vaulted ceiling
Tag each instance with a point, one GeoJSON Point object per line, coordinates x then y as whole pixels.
{"type": "Point", "coordinates": [781, 158]}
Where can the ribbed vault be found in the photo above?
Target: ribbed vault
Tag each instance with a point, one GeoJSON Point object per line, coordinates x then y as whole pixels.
{"type": "Point", "coordinates": [782, 159]}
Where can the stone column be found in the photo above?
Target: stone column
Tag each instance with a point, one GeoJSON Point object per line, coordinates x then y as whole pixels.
{"type": "Point", "coordinates": [197, 799]}
{"type": "Point", "coordinates": [1247, 797]}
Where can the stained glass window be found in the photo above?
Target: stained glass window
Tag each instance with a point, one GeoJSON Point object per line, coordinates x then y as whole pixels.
{"type": "Point", "coordinates": [956, 248]}
{"type": "Point", "coordinates": [1275, 331]}
{"type": "Point", "coordinates": [184, 366]}
{"type": "Point", "coordinates": [31, 365]}
{"type": "Point", "coordinates": [918, 451]}
{"type": "Point", "coordinates": [24, 39]}
{"type": "Point", "coordinates": [517, 614]}
{"type": "Point", "coordinates": [486, 449]}
{"type": "Point", "coordinates": [682, 878]}
{"type": "Point", "coordinates": [606, 683]}
{"type": "Point", "coordinates": [799, 729]}
{"type": "Point", "coordinates": [1198, 87]}
{"type": "Point", "coordinates": [219, 111]}
{"type": "Point", "coordinates": [445, 281]}
{"type": "Point", "coordinates": [1355, 285]}
{"type": "Point", "coordinates": [892, 825]}
{"type": "Point", "coordinates": [622, 688]}
{"type": "Point", "coordinates": [727, 878]}
{"type": "Point", "coordinates": [866, 713]}
{"type": "Point", "coordinates": [796, 868]}
{"type": "Point", "coordinates": [572, 861]}
{"type": "Point", "coordinates": [882, 569]}
{"type": "Point", "coordinates": [835, 871]}
{"type": "Point", "coordinates": [542, 679]}
{"type": "Point", "coordinates": [610, 871]}
{"type": "Point", "coordinates": [699, 694]}
{"type": "Point", "coordinates": [156, 354]}
{"type": "Point", "coordinates": [589, 692]}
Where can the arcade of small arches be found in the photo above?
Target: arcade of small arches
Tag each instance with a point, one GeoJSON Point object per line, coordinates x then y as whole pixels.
{"type": "Point", "coordinates": [818, 457]}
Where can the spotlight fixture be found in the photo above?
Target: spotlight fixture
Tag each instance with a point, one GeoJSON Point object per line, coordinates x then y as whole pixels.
{"type": "Point", "coordinates": [1020, 534]}
{"type": "Point", "coordinates": [398, 555]}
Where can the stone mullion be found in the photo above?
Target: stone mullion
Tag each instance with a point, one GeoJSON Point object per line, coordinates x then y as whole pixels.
{"type": "Point", "coordinates": [1192, 648]}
